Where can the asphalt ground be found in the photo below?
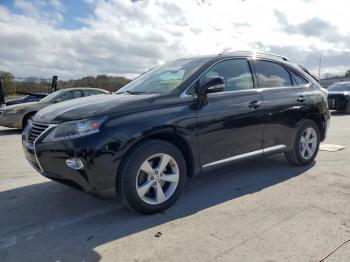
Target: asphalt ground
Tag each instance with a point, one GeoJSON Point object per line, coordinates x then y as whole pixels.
{"type": "Point", "coordinates": [259, 210]}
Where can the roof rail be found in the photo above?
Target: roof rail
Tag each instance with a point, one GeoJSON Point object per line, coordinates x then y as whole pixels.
{"type": "Point", "coordinates": [262, 53]}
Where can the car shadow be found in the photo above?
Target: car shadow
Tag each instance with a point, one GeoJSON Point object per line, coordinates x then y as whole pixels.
{"type": "Point", "coordinates": [10, 131]}
{"type": "Point", "coordinates": [60, 220]}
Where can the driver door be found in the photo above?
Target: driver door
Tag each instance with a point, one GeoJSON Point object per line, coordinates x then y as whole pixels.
{"type": "Point", "coordinates": [231, 125]}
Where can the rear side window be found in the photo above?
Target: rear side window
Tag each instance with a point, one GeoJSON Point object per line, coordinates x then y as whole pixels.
{"type": "Point", "coordinates": [270, 74]}
{"type": "Point", "coordinates": [236, 74]}
{"type": "Point", "coordinates": [299, 80]}
{"type": "Point", "coordinates": [92, 92]}
{"type": "Point", "coordinates": [69, 95]}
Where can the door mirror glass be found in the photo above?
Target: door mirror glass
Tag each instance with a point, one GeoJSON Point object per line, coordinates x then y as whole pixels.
{"type": "Point", "coordinates": [58, 100]}
{"type": "Point", "coordinates": [212, 85]}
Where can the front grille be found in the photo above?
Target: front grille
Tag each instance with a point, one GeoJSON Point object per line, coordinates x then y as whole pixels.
{"type": "Point", "coordinates": [336, 103]}
{"type": "Point", "coordinates": [36, 130]}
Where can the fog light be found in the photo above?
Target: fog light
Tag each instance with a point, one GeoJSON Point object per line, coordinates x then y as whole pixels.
{"type": "Point", "coordinates": [74, 163]}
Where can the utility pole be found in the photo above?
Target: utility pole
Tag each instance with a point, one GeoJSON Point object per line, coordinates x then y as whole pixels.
{"type": "Point", "coordinates": [319, 68]}
{"type": "Point", "coordinates": [2, 93]}
{"type": "Point", "coordinates": [53, 84]}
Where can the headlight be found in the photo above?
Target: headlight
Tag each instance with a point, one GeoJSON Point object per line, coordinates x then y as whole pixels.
{"type": "Point", "coordinates": [74, 129]}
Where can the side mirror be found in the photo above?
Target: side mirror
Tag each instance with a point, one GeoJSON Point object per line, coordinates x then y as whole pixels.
{"type": "Point", "coordinates": [209, 85]}
{"type": "Point", "coordinates": [58, 100]}
{"type": "Point", "coordinates": [212, 85]}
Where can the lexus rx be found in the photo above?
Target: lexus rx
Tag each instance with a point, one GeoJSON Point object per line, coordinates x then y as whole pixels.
{"type": "Point", "coordinates": [176, 120]}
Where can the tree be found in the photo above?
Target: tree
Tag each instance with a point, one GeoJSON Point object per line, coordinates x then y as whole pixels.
{"type": "Point", "coordinates": [8, 83]}
{"type": "Point", "coordinates": [347, 74]}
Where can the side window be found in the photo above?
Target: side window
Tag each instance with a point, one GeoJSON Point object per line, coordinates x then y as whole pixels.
{"type": "Point", "coordinates": [236, 73]}
{"type": "Point", "coordinates": [92, 92]}
{"type": "Point", "coordinates": [270, 74]}
{"type": "Point", "coordinates": [69, 95]}
{"type": "Point", "coordinates": [299, 80]}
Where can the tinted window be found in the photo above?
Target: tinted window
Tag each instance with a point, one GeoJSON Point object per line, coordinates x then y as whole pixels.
{"type": "Point", "coordinates": [339, 87]}
{"type": "Point", "coordinates": [270, 74]}
{"type": "Point", "coordinates": [236, 74]}
{"type": "Point", "coordinates": [92, 92]}
{"type": "Point", "coordinates": [299, 80]}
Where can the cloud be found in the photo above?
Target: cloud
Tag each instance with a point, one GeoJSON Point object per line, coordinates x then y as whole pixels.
{"type": "Point", "coordinates": [313, 27]}
{"type": "Point", "coordinates": [124, 37]}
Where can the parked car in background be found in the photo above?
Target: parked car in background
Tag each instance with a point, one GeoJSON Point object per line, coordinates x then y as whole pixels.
{"type": "Point", "coordinates": [17, 116]}
{"type": "Point", "coordinates": [25, 99]}
{"type": "Point", "coordinates": [339, 97]}
{"type": "Point", "coordinates": [177, 120]}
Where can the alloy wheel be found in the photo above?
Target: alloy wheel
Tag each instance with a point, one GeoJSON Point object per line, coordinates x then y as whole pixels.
{"type": "Point", "coordinates": [157, 179]}
{"type": "Point", "coordinates": [308, 143]}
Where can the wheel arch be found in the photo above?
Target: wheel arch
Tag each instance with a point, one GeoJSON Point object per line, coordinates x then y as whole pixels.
{"type": "Point", "coordinates": [319, 119]}
{"type": "Point", "coordinates": [173, 138]}
{"type": "Point", "coordinates": [180, 143]}
{"type": "Point", "coordinates": [28, 114]}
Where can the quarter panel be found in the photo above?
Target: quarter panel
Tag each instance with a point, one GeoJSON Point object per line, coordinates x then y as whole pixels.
{"type": "Point", "coordinates": [284, 113]}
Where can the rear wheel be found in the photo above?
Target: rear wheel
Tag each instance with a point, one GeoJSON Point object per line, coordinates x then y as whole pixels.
{"type": "Point", "coordinates": [152, 176]}
{"type": "Point", "coordinates": [306, 144]}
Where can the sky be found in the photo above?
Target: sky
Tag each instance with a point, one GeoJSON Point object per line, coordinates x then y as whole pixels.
{"type": "Point", "coordinates": [76, 38]}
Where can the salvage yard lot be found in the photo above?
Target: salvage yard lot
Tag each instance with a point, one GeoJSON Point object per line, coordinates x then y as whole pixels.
{"type": "Point", "coordinates": [260, 210]}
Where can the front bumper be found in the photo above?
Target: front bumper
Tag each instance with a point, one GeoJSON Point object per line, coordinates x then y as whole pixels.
{"type": "Point", "coordinates": [49, 159]}
{"type": "Point", "coordinates": [12, 120]}
{"type": "Point", "coordinates": [338, 102]}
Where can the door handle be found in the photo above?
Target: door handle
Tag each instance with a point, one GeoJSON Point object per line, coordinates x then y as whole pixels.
{"type": "Point", "coordinates": [301, 99]}
{"type": "Point", "coordinates": [255, 104]}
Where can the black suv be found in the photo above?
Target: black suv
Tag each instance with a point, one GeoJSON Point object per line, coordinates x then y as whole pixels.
{"type": "Point", "coordinates": [177, 120]}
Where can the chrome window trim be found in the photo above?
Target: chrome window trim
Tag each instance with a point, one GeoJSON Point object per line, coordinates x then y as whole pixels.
{"type": "Point", "coordinates": [184, 93]}
{"type": "Point", "coordinates": [255, 90]}
{"type": "Point", "coordinates": [286, 67]}
{"type": "Point", "coordinates": [245, 155]}
{"type": "Point", "coordinates": [284, 87]}
{"type": "Point", "coordinates": [51, 126]}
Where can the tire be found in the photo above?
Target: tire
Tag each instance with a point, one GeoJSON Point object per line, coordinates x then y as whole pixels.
{"type": "Point", "coordinates": [304, 153]}
{"type": "Point", "coordinates": [26, 119]}
{"type": "Point", "coordinates": [143, 166]}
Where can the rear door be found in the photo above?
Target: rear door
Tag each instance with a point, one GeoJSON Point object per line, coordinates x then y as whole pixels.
{"type": "Point", "coordinates": [230, 126]}
{"type": "Point", "coordinates": [287, 98]}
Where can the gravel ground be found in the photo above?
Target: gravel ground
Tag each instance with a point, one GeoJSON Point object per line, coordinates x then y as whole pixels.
{"type": "Point", "coordinates": [260, 210]}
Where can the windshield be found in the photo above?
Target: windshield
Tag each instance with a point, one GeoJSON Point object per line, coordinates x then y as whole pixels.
{"type": "Point", "coordinates": [340, 87]}
{"type": "Point", "coordinates": [165, 78]}
{"type": "Point", "coordinates": [52, 97]}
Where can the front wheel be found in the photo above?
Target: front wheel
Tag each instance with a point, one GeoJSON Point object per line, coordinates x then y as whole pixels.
{"type": "Point", "coordinates": [306, 144]}
{"type": "Point", "coordinates": [152, 176]}
{"type": "Point", "coordinates": [26, 119]}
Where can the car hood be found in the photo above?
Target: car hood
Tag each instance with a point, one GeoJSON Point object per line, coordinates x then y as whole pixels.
{"type": "Point", "coordinates": [87, 107]}
{"type": "Point", "coordinates": [14, 100]}
{"type": "Point", "coordinates": [26, 106]}
{"type": "Point", "coordinates": [343, 93]}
